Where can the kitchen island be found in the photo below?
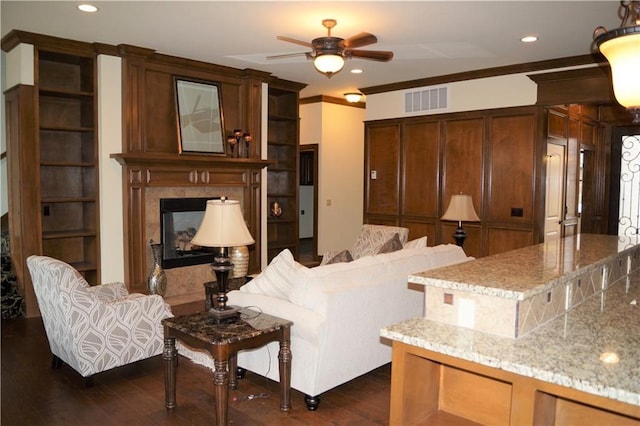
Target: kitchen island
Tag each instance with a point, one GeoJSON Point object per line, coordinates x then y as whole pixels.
{"type": "Point", "coordinates": [580, 367]}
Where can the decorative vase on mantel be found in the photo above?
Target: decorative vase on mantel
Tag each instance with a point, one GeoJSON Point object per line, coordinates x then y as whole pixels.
{"type": "Point", "coordinates": [157, 281]}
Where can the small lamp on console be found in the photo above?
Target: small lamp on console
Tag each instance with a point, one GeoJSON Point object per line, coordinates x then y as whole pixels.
{"type": "Point", "coordinates": [222, 227]}
{"type": "Point", "coordinates": [461, 210]}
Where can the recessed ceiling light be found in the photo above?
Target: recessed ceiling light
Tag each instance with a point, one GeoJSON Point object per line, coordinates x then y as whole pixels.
{"type": "Point", "coordinates": [529, 39]}
{"type": "Point", "coordinates": [89, 8]}
{"type": "Point", "coordinates": [356, 71]}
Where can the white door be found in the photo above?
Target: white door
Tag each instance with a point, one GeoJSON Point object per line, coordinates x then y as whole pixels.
{"type": "Point", "coordinates": [554, 197]}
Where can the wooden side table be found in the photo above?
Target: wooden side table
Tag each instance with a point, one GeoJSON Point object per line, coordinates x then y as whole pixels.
{"type": "Point", "coordinates": [223, 341]}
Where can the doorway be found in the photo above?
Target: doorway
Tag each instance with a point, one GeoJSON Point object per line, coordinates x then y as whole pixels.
{"type": "Point", "coordinates": [554, 205]}
{"type": "Point", "coordinates": [308, 214]}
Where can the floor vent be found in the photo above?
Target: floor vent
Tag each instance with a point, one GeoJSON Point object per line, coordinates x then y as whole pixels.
{"type": "Point", "coordinates": [435, 98]}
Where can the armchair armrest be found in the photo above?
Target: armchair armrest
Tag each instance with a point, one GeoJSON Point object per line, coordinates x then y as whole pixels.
{"type": "Point", "coordinates": [109, 291]}
{"type": "Point", "coordinates": [134, 311]}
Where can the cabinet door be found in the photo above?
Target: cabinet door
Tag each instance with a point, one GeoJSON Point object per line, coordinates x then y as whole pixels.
{"type": "Point", "coordinates": [511, 169]}
{"type": "Point", "coordinates": [463, 160]}
{"type": "Point", "coordinates": [420, 171]}
{"type": "Point", "coordinates": [382, 169]}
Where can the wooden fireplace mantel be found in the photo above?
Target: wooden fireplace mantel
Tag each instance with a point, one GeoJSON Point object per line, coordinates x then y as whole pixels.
{"type": "Point", "coordinates": [189, 160]}
{"type": "Point", "coordinates": [144, 170]}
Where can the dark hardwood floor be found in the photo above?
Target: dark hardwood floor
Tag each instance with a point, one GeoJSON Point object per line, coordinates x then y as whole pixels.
{"type": "Point", "coordinates": [34, 394]}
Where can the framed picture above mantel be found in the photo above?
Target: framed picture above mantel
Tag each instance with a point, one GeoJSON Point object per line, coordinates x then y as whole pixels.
{"type": "Point", "coordinates": [200, 118]}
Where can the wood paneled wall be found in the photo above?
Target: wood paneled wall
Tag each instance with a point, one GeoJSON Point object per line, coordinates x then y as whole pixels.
{"type": "Point", "coordinates": [495, 156]}
{"type": "Point", "coordinates": [150, 154]}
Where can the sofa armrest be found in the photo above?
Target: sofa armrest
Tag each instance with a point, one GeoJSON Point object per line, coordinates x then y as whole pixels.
{"type": "Point", "coordinates": [307, 324]}
{"type": "Point", "coordinates": [109, 291]}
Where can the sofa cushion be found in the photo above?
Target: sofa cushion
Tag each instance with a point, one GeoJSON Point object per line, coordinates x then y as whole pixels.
{"type": "Point", "coordinates": [391, 245]}
{"type": "Point", "coordinates": [341, 257]}
{"type": "Point", "coordinates": [372, 237]}
{"type": "Point", "coordinates": [277, 279]}
{"type": "Point", "coordinates": [417, 243]}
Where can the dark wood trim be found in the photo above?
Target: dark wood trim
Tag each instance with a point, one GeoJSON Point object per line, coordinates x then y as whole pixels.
{"type": "Point", "coordinates": [331, 100]}
{"type": "Point", "coordinates": [45, 42]}
{"type": "Point", "coordinates": [488, 72]}
{"type": "Point", "coordinates": [286, 84]}
{"type": "Point", "coordinates": [580, 86]}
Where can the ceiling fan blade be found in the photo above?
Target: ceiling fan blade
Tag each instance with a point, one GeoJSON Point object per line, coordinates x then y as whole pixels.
{"type": "Point", "coordinates": [287, 55]}
{"type": "Point", "coordinates": [295, 41]}
{"type": "Point", "coordinates": [359, 40]}
{"type": "Point", "coordinates": [374, 55]}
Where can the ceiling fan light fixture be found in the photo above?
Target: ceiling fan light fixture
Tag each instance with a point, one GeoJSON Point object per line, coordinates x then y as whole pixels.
{"type": "Point", "coordinates": [353, 97]}
{"type": "Point", "coordinates": [621, 47]}
{"type": "Point", "coordinates": [329, 64]}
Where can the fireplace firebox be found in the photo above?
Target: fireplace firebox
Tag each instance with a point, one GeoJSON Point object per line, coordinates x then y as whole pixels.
{"type": "Point", "coordinates": [179, 221]}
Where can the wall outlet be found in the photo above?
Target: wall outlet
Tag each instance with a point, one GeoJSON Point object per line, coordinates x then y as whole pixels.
{"type": "Point", "coordinates": [374, 174]}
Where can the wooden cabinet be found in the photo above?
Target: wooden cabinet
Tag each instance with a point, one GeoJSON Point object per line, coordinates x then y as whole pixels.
{"type": "Point", "coordinates": [420, 162]}
{"type": "Point", "coordinates": [432, 388]}
{"type": "Point", "coordinates": [53, 156]}
{"type": "Point", "coordinates": [282, 176]}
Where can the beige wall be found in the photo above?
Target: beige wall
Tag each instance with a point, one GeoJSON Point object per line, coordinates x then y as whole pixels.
{"type": "Point", "coordinates": [109, 142]}
{"type": "Point", "coordinates": [339, 132]}
{"type": "Point", "coordinates": [471, 95]}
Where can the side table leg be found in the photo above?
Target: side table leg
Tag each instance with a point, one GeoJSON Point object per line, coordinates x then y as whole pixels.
{"type": "Point", "coordinates": [221, 389]}
{"type": "Point", "coordinates": [233, 366]}
{"type": "Point", "coordinates": [284, 358]}
{"type": "Point", "coordinates": [170, 358]}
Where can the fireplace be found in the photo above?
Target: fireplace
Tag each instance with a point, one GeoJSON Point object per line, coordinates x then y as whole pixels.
{"type": "Point", "coordinates": [179, 221]}
{"type": "Point", "coordinates": [151, 177]}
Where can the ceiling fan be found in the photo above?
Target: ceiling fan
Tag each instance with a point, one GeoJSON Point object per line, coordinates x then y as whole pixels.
{"type": "Point", "coordinates": [328, 53]}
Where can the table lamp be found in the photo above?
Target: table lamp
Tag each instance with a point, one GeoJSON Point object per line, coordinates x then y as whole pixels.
{"type": "Point", "coordinates": [461, 209]}
{"type": "Point", "coordinates": [222, 227]}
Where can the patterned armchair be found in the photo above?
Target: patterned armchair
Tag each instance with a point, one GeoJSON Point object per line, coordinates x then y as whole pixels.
{"type": "Point", "coordinates": [93, 329]}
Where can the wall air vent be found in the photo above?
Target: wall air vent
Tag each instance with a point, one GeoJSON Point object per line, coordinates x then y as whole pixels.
{"type": "Point", "coordinates": [433, 98]}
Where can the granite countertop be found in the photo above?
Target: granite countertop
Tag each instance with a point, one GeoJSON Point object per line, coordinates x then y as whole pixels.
{"type": "Point", "coordinates": [520, 273]}
{"type": "Point", "coordinates": [566, 351]}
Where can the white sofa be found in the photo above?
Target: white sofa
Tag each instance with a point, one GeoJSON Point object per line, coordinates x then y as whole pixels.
{"type": "Point", "coordinates": [337, 312]}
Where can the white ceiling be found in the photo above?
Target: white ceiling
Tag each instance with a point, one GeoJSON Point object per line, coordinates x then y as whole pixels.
{"type": "Point", "coordinates": [429, 38]}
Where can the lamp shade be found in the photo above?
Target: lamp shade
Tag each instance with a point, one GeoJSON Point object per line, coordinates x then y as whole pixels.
{"type": "Point", "coordinates": [623, 54]}
{"type": "Point", "coordinates": [223, 226]}
{"type": "Point", "coordinates": [328, 63]}
{"type": "Point", "coordinates": [461, 209]}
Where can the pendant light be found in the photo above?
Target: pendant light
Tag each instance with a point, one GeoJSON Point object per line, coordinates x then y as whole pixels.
{"type": "Point", "coordinates": [621, 47]}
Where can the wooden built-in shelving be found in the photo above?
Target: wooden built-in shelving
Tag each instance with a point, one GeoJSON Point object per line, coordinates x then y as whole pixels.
{"type": "Point", "coordinates": [282, 176]}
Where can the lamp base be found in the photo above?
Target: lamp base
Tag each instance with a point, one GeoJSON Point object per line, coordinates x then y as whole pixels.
{"type": "Point", "coordinates": [228, 314]}
{"type": "Point", "coordinates": [460, 235]}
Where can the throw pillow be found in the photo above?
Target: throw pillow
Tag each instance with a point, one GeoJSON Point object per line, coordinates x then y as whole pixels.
{"type": "Point", "coordinates": [277, 279]}
{"type": "Point", "coordinates": [343, 256]}
{"type": "Point", "coordinates": [391, 245]}
{"type": "Point", "coordinates": [417, 243]}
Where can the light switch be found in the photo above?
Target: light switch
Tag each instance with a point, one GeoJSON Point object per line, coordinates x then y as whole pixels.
{"type": "Point", "coordinates": [466, 312]}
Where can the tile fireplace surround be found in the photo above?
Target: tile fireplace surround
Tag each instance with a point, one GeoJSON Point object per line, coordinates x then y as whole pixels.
{"type": "Point", "coordinates": [184, 284]}
{"type": "Point", "coordinates": [152, 176]}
